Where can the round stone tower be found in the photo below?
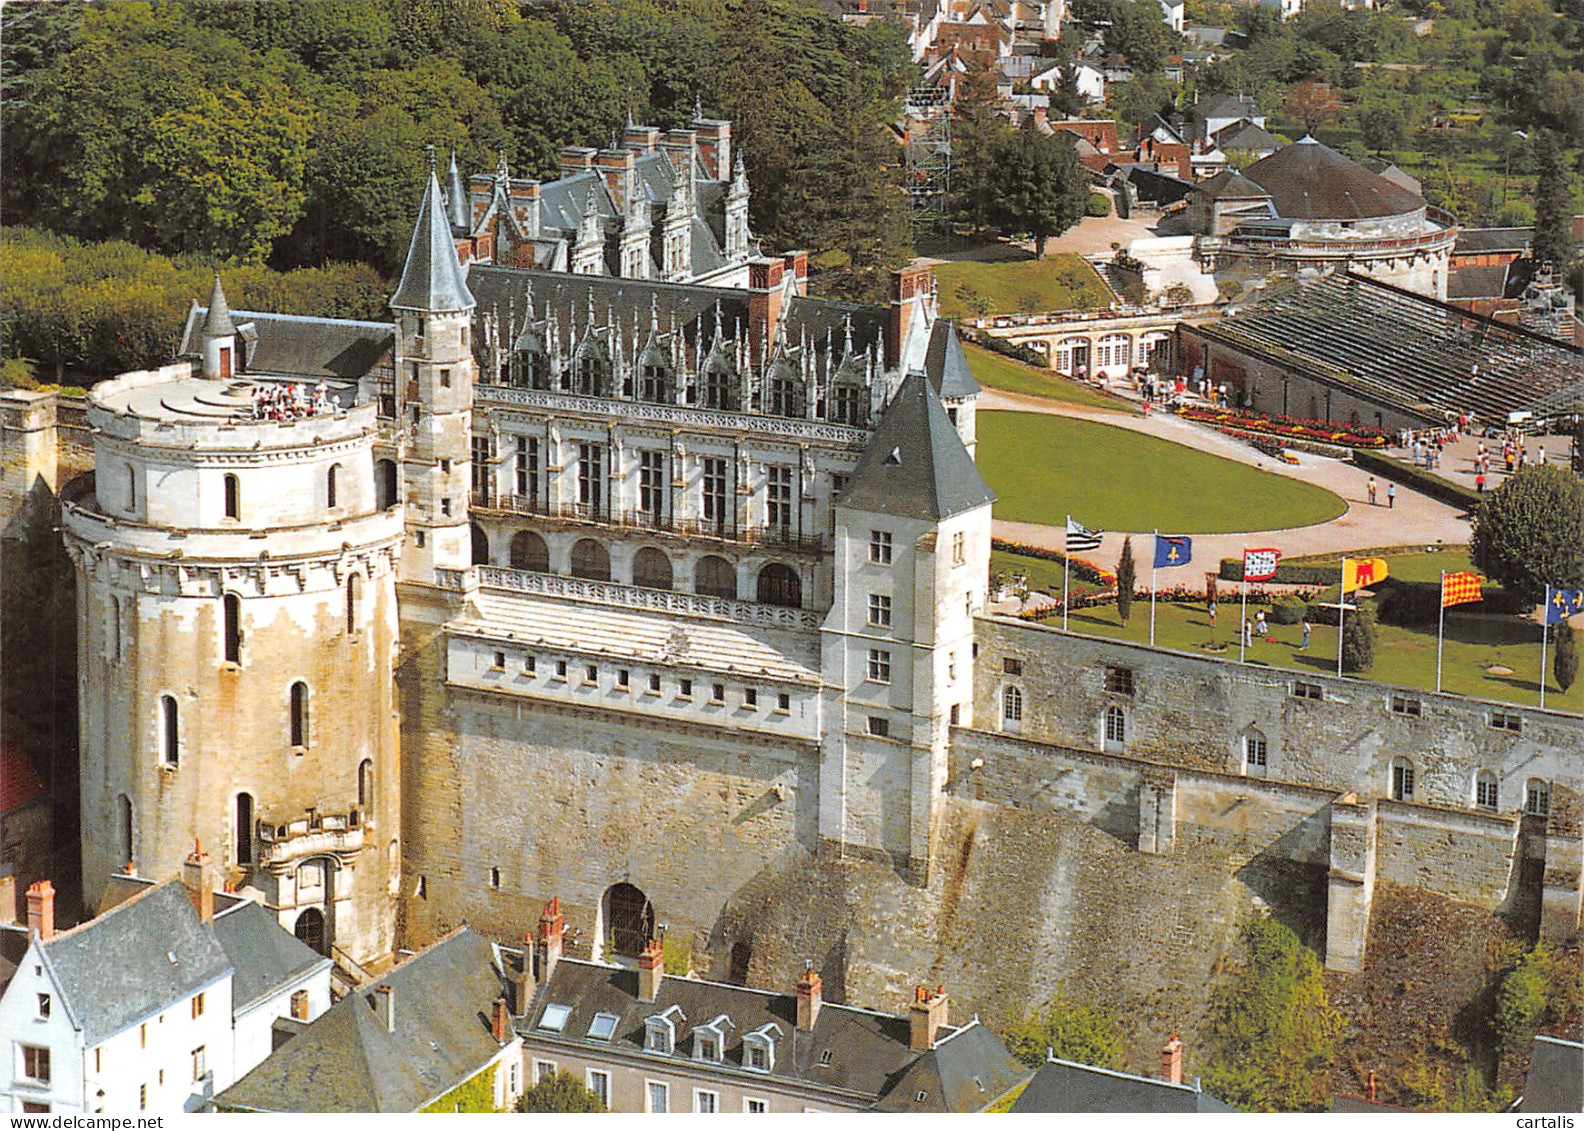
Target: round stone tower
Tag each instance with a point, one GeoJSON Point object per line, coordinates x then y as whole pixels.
{"type": "Point", "coordinates": [237, 628]}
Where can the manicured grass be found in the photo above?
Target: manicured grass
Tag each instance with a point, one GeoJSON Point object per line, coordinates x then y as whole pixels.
{"type": "Point", "coordinates": [1031, 286]}
{"type": "Point", "coordinates": [1418, 567]}
{"type": "Point", "coordinates": [1045, 467]}
{"type": "Point", "coordinates": [1043, 575]}
{"type": "Point", "coordinates": [1403, 656]}
{"type": "Point", "coordinates": [1005, 373]}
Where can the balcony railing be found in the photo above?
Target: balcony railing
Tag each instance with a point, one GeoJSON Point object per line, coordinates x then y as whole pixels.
{"type": "Point", "coordinates": [600, 515]}
{"type": "Point", "coordinates": [316, 834]}
{"type": "Point", "coordinates": [634, 597]}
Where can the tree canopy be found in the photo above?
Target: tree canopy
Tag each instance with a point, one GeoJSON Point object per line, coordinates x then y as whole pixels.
{"type": "Point", "coordinates": [559, 1093]}
{"type": "Point", "coordinates": [1041, 188]}
{"type": "Point", "coordinates": [1529, 532]}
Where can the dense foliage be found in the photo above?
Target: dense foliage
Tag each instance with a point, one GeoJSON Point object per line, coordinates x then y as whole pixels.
{"type": "Point", "coordinates": [1358, 638]}
{"type": "Point", "coordinates": [1530, 532]}
{"type": "Point", "coordinates": [1540, 989]}
{"type": "Point", "coordinates": [1071, 1031]}
{"type": "Point", "coordinates": [1565, 664]}
{"type": "Point", "coordinates": [1276, 1029]}
{"type": "Point", "coordinates": [1125, 579]}
{"type": "Point", "coordinates": [559, 1093]}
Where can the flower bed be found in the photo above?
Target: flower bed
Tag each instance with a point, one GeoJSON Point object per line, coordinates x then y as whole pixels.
{"type": "Point", "coordinates": [1084, 570]}
{"type": "Point", "coordinates": [1289, 427]}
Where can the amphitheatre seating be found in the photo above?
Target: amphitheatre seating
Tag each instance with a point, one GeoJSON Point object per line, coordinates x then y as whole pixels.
{"type": "Point", "coordinates": [1408, 349]}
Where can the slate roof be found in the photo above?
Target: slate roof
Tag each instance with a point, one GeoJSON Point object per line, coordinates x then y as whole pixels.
{"type": "Point", "coordinates": [347, 1061]}
{"type": "Point", "coordinates": [1556, 1077]}
{"type": "Point", "coordinates": [1063, 1086]}
{"type": "Point", "coordinates": [1229, 184]}
{"type": "Point", "coordinates": [294, 345]}
{"type": "Point", "coordinates": [915, 465]}
{"type": "Point", "coordinates": [133, 961]}
{"type": "Point", "coordinates": [265, 957]}
{"type": "Point", "coordinates": [432, 276]}
{"type": "Point", "coordinates": [946, 365]}
{"type": "Point", "coordinates": [19, 781]}
{"type": "Point", "coordinates": [1474, 241]}
{"type": "Point", "coordinates": [1476, 282]}
{"type": "Point", "coordinates": [1311, 181]}
{"type": "Point", "coordinates": [217, 319]}
{"type": "Point", "coordinates": [456, 199]}
{"type": "Point", "coordinates": [1245, 135]}
{"type": "Point", "coordinates": [868, 1053]}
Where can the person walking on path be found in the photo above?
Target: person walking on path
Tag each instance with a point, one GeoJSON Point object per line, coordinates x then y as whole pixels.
{"type": "Point", "coordinates": [1304, 647]}
{"type": "Point", "coordinates": [1391, 496]}
{"type": "Point", "coordinates": [1371, 489]}
{"type": "Point", "coordinates": [1212, 610]}
{"type": "Point", "coordinates": [1261, 629]}
{"type": "Point", "coordinates": [1479, 483]}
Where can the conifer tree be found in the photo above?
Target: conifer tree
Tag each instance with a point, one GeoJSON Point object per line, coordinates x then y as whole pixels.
{"type": "Point", "coordinates": [1126, 579]}
{"type": "Point", "coordinates": [1566, 664]}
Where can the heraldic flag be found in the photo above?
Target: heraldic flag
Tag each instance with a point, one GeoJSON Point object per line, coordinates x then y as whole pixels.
{"type": "Point", "coordinates": [1172, 550]}
{"type": "Point", "coordinates": [1260, 565]}
{"type": "Point", "coordinates": [1562, 603]}
{"type": "Point", "coordinates": [1081, 538]}
{"type": "Point", "coordinates": [1460, 589]}
{"type": "Point", "coordinates": [1359, 572]}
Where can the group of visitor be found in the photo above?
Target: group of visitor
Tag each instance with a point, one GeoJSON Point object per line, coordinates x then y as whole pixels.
{"type": "Point", "coordinates": [283, 402]}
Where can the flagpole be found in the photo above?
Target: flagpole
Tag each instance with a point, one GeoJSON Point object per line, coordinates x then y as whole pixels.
{"type": "Point", "coordinates": [1066, 568]}
{"type": "Point", "coordinates": [1154, 557]}
{"type": "Point", "coordinates": [1341, 612]}
{"type": "Point", "coordinates": [1545, 631]}
{"type": "Point", "coordinates": [1440, 631]}
{"type": "Point", "coordinates": [1243, 616]}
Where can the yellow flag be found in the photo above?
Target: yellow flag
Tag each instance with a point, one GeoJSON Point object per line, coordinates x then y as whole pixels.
{"type": "Point", "coordinates": [1359, 572]}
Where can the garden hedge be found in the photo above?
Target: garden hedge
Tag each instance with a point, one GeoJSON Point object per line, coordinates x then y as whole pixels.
{"type": "Point", "coordinates": [1418, 479]}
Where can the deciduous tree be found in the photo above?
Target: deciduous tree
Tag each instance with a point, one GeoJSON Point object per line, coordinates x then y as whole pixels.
{"type": "Point", "coordinates": [1042, 189]}
{"type": "Point", "coordinates": [559, 1093]}
{"type": "Point", "coordinates": [1529, 532]}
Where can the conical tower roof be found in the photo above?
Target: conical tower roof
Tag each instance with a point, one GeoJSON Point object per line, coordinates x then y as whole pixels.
{"type": "Point", "coordinates": [217, 323]}
{"type": "Point", "coordinates": [947, 365]}
{"type": "Point", "coordinates": [432, 279]}
{"type": "Point", "coordinates": [915, 465]}
{"type": "Point", "coordinates": [456, 199]}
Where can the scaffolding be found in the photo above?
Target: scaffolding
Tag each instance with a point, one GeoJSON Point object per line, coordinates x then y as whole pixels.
{"type": "Point", "coordinates": [927, 140]}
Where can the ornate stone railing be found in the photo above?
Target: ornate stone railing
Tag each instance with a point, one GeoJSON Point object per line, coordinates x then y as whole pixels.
{"type": "Point", "coordinates": [633, 597]}
{"type": "Point", "coordinates": [339, 835]}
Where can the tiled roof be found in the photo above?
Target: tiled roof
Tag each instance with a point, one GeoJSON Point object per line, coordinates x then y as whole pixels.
{"type": "Point", "coordinates": [1311, 181]}
{"type": "Point", "coordinates": [915, 465]}
{"type": "Point", "coordinates": [217, 319]}
{"type": "Point", "coordinates": [265, 956]}
{"type": "Point", "coordinates": [947, 365]}
{"type": "Point", "coordinates": [1232, 185]}
{"type": "Point", "coordinates": [293, 345]}
{"type": "Point", "coordinates": [1472, 241]}
{"type": "Point", "coordinates": [1476, 282]}
{"type": "Point", "coordinates": [19, 781]}
{"type": "Point", "coordinates": [966, 1071]}
{"type": "Point", "coordinates": [1556, 1077]}
{"type": "Point", "coordinates": [346, 1060]}
{"type": "Point", "coordinates": [1063, 1086]}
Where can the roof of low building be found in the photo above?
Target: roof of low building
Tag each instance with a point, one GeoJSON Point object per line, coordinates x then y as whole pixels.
{"type": "Point", "coordinates": [295, 345]}
{"type": "Point", "coordinates": [1556, 1076]}
{"type": "Point", "coordinates": [915, 465]}
{"type": "Point", "coordinates": [1248, 137]}
{"type": "Point", "coordinates": [1311, 181]}
{"type": "Point", "coordinates": [347, 1060]}
{"type": "Point", "coordinates": [217, 319]}
{"type": "Point", "coordinates": [1473, 241]}
{"type": "Point", "coordinates": [265, 956]}
{"type": "Point", "coordinates": [1229, 184]}
{"type": "Point", "coordinates": [1066, 1086]}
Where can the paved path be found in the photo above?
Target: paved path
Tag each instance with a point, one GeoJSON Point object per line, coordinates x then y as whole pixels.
{"type": "Point", "coordinates": [1415, 519]}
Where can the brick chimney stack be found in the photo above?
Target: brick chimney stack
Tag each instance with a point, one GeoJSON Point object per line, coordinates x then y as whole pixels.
{"type": "Point", "coordinates": [1171, 1061]}
{"type": "Point", "coordinates": [552, 926]}
{"type": "Point", "coordinates": [906, 285]}
{"type": "Point", "coordinates": [385, 1007]}
{"type": "Point", "coordinates": [41, 910]}
{"type": "Point", "coordinates": [199, 879]}
{"type": "Point", "coordinates": [925, 1016]}
{"type": "Point", "coordinates": [500, 1021]}
{"type": "Point", "coordinates": [522, 980]}
{"type": "Point", "coordinates": [651, 969]}
{"type": "Point", "coordinates": [576, 159]}
{"type": "Point", "coordinates": [808, 998]}
{"type": "Point", "coordinates": [764, 304]}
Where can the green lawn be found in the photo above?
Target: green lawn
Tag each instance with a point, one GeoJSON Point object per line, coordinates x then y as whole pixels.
{"type": "Point", "coordinates": [1042, 574]}
{"type": "Point", "coordinates": [1012, 376]}
{"type": "Point", "coordinates": [1031, 286]}
{"type": "Point", "coordinates": [1417, 567]}
{"type": "Point", "coordinates": [1044, 467]}
{"type": "Point", "coordinates": [1403, 656]}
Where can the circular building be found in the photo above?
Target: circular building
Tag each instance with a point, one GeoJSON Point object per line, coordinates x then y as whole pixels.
{"type": "Point", "coordinates": [236, 632]}
{"type": "Point", "coordinates": [1308, 206]}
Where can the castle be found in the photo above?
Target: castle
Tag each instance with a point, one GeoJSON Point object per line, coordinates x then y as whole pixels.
{"type": "Point", "coordinates": [669, 600]}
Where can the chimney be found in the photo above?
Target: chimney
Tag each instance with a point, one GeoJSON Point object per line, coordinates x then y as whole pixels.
{"type": "Point", "coordinates": [641, 139]}
{"type": "Point", "coordinates": [926, 1015]}
{"type": "Point", "coordinates": [524, 197]}
{"type": "Point", "coordinates": [200, 882]}
{"type": "Point", "coordinates": [616, 166]}
{"type": "Point", "coordinates": [548, 949]}
{"type": "Point", "coordinates": [385, 1007]}
{"type": "Point", "coordinates": [764, 302]}
{"type": "Point", "coordinates": [500, 1021]}
{"type": "Point", "coordinates": [41, 910]}
{"type": "Point", "coordinates": [522, 978]}
{"type": "Point", "coordinates": [1171, 1061]}
{"type": "Point", "coordinates": [714, 144]}
{"type": "Point", "coordinates": [906, 285]}
{"type": "Point", "coordinates": [797, 264]}
{"type": "Point", "coordinates": [299, 1005]}
{"type": "Point", "coordinates": [651, 968]}
{"type": "Point", "coordinates": [808, 998]}
{"type": "Point", "coordinates": [1369, 1087]}
{"type": "Point", "coordinates": [681, 146]}
{"type": "Point", "coordinates": [576, 159]}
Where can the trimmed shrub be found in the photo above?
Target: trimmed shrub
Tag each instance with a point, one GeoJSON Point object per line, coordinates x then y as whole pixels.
{"type": "Point", "coordinates": [1358, 639]}
{"type": "Point", "coordinates": [1099, 205]}
{"type": "Point", "coordinates": [1566, 664]}
{"type": "Point", "coordinates": [1295, 574]}
{"type": "Point", "coordinates": [1288, 609]}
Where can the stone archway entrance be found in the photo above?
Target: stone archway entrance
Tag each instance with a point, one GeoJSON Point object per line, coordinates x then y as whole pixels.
{"type": "Point", "coordinates": [629, 920]}
{"type": "Point", "coordinates": [310, 931]}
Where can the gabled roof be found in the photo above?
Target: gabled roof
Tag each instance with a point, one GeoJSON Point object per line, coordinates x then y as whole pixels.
{"type": "Point", "coordinates": [1311, 181]}
{"type": "Point", "coordinates": [294, 345]}
{"type": "Point", "coordinates": [1223, 106]}
{"type": "Point", "coordinates": [217, 320]}
{"type": "Point", "coordinates": [1245, 135]}
{"type": "Point", "coordinates": [1064, 1086]}
{"type": "Point", "coordinates": [348, 1061]}
{"type": "Point", "coordinates": [965, 1071]}
{"type": "Point", "coordinates": [19, 781]}
{"type": "Point", "coordinates": [134, 961]}
{"type": "Point", "coordinates": [1471, 241]}
{"type": "Point", "coordinates": [432, 276]}
{"type": "Point", "coordinates": [1556, 1077]}
{"type": "Point", "coordinates": [946, 365]}
{"type": "Point", "coordinates": [1232, 185]}
{"type": "Point", "coordinates": [265, 956]}
{"type": "Point", "coordinates": [915, 465]}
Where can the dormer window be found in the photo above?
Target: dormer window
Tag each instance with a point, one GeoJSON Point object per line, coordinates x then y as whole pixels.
{"type": "Point", "coordinates": [603, 1027]}
{"type": "Point", "coordinates": [709, 1041]}
{"type": "Point", "coordinates": [555, 1017]}
{"type": "Point", "coordinates": [759, 1048]}
{"type": "Point", "coordinates": [661, 1029]}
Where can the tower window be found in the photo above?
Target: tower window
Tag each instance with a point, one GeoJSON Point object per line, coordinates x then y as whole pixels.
{"type": "Point", "coordinates": [232, 610]}
{"type": "Point", "coordinates": [233, 497]}
{"type": "Point", "coordinates": [353, 601]}
{"type": "Point", "coordinates": [1115, 728]}
{"type": "Point", "coordinates": [299, 714]}
{"type": "Point", "coordinates": [1485, 791]}
{"type": "Point", "coordinates": [331, 477]}
{"type": "Point", "coordinates": [170, 731]}
{"type": "Point", "coordinates": [244, 829]}
{"type": "Point", "coordinates": [1011, 708]}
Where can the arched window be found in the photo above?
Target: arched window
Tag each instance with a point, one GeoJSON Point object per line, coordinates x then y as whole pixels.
{"type": "Point", "coordinates": [232, 632]}
{"type": "Point", "coordinates": [1113, 351]}
{"type": "Point", "coordinates": [779, 584]}
{"type": "Point", "coordinates": [651, 569]}
{"type": "Point", "coordinates": [1012, 708]}
{"type": "Point", "coordinates": [331, 477]}
{"type": "Point", "coordinates": [1115, 728]}
{"type": "Point", "coordinates": [1537, 797]}
{"type": "Point", "coordinates": [353, 602]}
{"type": "Point", "coordinates": [233, 497]}
{"type": "Point", "coordinates": [366, 785]}
{"type": "Point", "coordinates": [629, 919]}
{"type": "Point", "coordinates": [124, 826]}
{"type": "Point", "coordinates": [385, 484]}
{"type": "Point", "coordinates": [480, 544]}
{"type": "Point", "coordinates": [299, 714]}
{"type": "Point", "coordinates": [715, 577]}
{"type": "Point", "coordinates": [132, 494]}
{"type": "Point", "coordinates": [310, 930]}
{"type": "Point", "coordinates": [528, 551]}
{"type": "Point", "coordinates": [169, 731]}
{"type": "Point", "coordinates": [1402, 779]}
{"type": "Point", "coordinates": [590, 560]}
{"type": "Point", "coordinates": [1256, 753]}
{"type": "Point", "coordinates": [244, 829]}
{"type": "Point", "coordinates": [1485, 790]}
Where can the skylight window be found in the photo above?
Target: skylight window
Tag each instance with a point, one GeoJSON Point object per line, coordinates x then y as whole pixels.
{"type": "Point", "coordinates": [555, 1017]}
{"type": "Point", "coordinates": [603, 1027]}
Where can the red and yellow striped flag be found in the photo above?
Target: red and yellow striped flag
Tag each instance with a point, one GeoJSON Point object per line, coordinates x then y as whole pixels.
{"type": "Point", "coordinates": [1460, 588]}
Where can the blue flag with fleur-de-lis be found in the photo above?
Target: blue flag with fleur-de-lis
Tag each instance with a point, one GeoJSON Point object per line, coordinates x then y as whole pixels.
{"type": "Point", "coordinates": [1560, 604]}
{"type": "Point", "coordinates": [1172, 550]}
